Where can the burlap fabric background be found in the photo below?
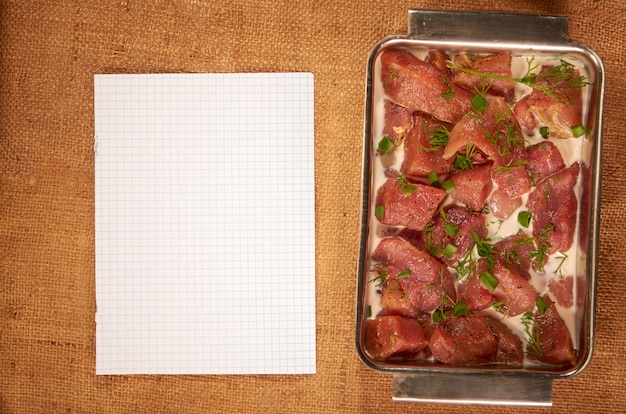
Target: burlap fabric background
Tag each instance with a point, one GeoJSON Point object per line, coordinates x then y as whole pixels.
{"type": "Point", "coordinates": [49, 52]}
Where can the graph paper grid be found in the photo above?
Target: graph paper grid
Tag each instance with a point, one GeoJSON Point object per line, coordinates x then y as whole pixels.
{"type": "Point", "coordinates": [205, 230]}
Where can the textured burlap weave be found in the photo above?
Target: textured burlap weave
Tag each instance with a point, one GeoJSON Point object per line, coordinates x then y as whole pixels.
{"type": "Point", "coordinates": [49, 52]}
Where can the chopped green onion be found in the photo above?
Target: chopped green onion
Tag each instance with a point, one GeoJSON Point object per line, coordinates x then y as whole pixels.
{"type": "Point", "coordinates": [406, 187]}
{"type": "Point", "coordinates": [405, 273]}
{"type": "Point", "coordinates": [489, 281]}
{"type": "Point", "coordinates": [451, 229]}
{"type": "Point", "coordinates": [449, 250]}
{"type": "Point", "coordinates": [438, 315]}
{"type": "Point", "coordinates": [544, 132]}
{"type": "Point", "coordinates": [379, 210]}
{"type": "Point", "coordinates": [523, 218]}
{"type": "Point", "coordinates": [479, 103]}
{"type": "Point", "coordinates": [578, 130]}
{"type": "Point", "coordinates": [433, 177]}
{"type": "Point", "coordinates": [386, 145]}
{"type": "Point", "coordinates": [542, 306]}
{"type": "Point", "coordinates": [460, 308]}
{"type": "Point", "coordinates": [448, 186]}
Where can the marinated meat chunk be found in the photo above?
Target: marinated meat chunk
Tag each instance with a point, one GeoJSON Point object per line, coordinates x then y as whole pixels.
{"type": "Point", "coordinates": [407, 204]}
{"type": "Point", "coordinates": [463, 340]}
{"type": "Point", "coordinates": [393, 336]}
{"type": "Point", "coordinates": [513, 291]}
{"type": "Point", "coordinates": [563, 290]}
{"type": "Point", "coordinates": [512, 176]}
{"type": "Point", "coordinates": [450, 235]}
{"type": "Point", "coordinates": [544, 159]}
{"type": "Point", "coordinates": [424, 280]}
{"type": "Point", "coordinates": [423, 148]}
{"type": "Point", "coordinates": [510, 349]}
{"type": "Point", "coordinates": [559, 112]}
{"type": "Point", "coordinates": [474, 294]}
{"type": "Point", "coordinates": [420, 86]}
{"type": "Point", "coordinates": [395, 301]}
{"type": "Point", "coordinates": [554, 338]}
{"type": "Point", "coordinates": [473, 186]}
{"type": "Point", "coordinates": [514, 253]}
{"type": "Point", "coordinates": [477, 131]}
{"type": "Point", "coordinates": [398, 122]}
{"type": "Point", "coordinates": [438, 59]}
{"type": "Point", "coordinates": [496, 64]}
{"type": "Point", "coordinates": [502, 205]}
{"type": "Point", "coordinates": [553, 206]}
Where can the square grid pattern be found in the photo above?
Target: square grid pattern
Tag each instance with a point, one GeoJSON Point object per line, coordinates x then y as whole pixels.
{"type": "Point", "coordinates": [205, 230]}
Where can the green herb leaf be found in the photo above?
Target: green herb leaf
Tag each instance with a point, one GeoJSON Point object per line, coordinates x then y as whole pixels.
{"type": "Point", "coordinates": [544, 132]}
{"type": "Point", "coordinates": [460, 308]}
{"type": "Point", "coordinates": [465, 161]}
{"type": "Point", "coordinates": [438, 314]}
{"type": "Point", "coordinates": [404, 274]}
{"type": "Point", "coordinates": [489, 281]}
{"type": "Point", "coordinates": [406, 187]}
{"type": "Point", "coordinates": [523, 218]}
{"type": "Point", "coordinates": [448, 185]}
{"type": "Point", "coordinates": [448, 93]}
{"type": "Point", "coordinates": [479, 103]}
{"type": "Point", "coordinates": [433, 177]}
{"type": "Point", "coordinates": [386, 145]}
{"type": "Point", "coordinates": [542, 306]}
{"type": "Point", "coordinates": [449, 250]}
{"type": "Point", "coordinates": [532, 334]}
{"type": "Point", "coordinates": [379, 210]}
{"type": "Point", "coordinates": [451, 229]}
{"type": "Point", "coordinates": [368, 312]}
{"type": "Point", "coordinates": [578, 131]}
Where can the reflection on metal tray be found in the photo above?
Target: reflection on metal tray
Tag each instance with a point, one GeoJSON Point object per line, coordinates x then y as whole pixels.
{"type": "Point", "coordinates": [429, 381]}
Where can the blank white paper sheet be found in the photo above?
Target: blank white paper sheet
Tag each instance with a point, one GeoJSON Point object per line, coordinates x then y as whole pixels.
{"type": "Point", "coordinates": [205, 230]}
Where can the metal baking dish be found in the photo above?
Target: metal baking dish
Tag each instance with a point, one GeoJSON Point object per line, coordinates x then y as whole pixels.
{"type": "Point", "coordinates": [484, 33]}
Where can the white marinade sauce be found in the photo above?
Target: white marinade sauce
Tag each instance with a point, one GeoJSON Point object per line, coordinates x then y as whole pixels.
{"type": "Point", "coordinates": [571, 151]}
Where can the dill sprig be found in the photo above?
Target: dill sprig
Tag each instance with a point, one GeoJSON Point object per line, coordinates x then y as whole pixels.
{"type": "Point", "coordinates": [531, 329]}
{"type": "Point", "coordinates": [555, 81]}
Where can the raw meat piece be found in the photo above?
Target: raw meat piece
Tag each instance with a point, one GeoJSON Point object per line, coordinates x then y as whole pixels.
{"type": "Point", "coordinates": [554, 338]}
{"type": "Point", "coordinates": [544, 159]}
{"type": "Point", "coordinates": [395, 302]}
{"type": "Point", "coordinates": [420, 86]}
{"type": "Point", "coordinates": [395, 335]}
{"type": "Point", "coordinates": [502, 205]}
{"type": "Point", "coordinates": [563, 290]}
{"type": "Point", "coordinates": [425, 281]}
{"type": "Point", "coordinates": [513, 253]}
{"type": "Point", "coordinates": [463, 340]}
{"type": "Point", "coordinates": [497, 64]}
{"type": "Point", "coordinates": [438, 59]}
{"type": "Point", "coordinates": [473, 186]}
{"type": "Point", "coordinates": [408, 204]}
{"type": "Point", "coordinates": [398, 122]}
{"type": "Point", "coordinates": [559, 113]}
{"type": "Point", "coordinates": [474, 294]}
{"type": "Point", "coordinates": [434, 238]}
{"type": "Point", "coordinates": [553, 206]}
{"type": "Point", "coordinates": [421, 154]}
{"type": "Point", "coordinates": [510, 349]}
{"type": "Point", "coordinates": [515, 293]}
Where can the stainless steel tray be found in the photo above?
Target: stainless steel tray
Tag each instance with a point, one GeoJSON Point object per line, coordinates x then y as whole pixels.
{"type": "Point", "coordinates": [489, 32]}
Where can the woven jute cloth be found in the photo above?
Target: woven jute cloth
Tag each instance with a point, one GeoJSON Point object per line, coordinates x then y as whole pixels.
{"type": "Point", "coordinates": [49, 52]}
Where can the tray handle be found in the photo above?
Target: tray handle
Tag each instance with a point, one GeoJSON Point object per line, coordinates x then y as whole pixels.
{"type": "Point", "coordinates": [491, 27]}
{"type": "Point", "coordinates": [477, 389]}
